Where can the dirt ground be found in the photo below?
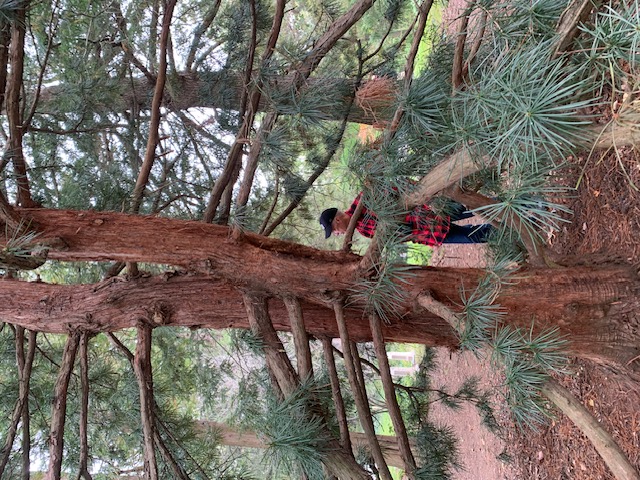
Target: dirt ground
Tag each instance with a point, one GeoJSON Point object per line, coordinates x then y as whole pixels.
{"type": "Point", "coordinates": [604, 226]}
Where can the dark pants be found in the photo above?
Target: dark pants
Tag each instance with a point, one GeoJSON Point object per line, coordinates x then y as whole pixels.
{"type": "Point", "coordinates": [468, 233]}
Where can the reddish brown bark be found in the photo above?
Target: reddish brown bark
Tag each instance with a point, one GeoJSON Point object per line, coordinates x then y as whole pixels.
{"type": "Point", "coordinates": [354, 374]}
{"type": "Point", "coordinates": [83, 470]}
{"type": "Point", "coordinates": [144, 376]}
{"type": "Point", "coordinates": [595, 307]}
{"type": "Point", "coordinates": [14, 104]}
{"type": "Point", "coordinates": [59, 408]}
{"type": "Point", "coordinates": [390, 396]}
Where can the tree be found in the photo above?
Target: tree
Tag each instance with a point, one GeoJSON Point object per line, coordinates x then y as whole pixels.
{"type": "Point", "coordinates": [487, 121]}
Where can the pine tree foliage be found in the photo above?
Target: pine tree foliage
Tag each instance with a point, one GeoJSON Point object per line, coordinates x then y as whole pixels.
{"type": "Point", "coordinates": [518, 108]}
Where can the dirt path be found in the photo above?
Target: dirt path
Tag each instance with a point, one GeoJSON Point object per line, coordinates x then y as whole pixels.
{"type": "Point", "coordinates": [479, 448]}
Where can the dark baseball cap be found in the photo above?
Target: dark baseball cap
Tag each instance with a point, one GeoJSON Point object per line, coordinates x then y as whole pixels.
{"type": "Point", "coordinates": [326, 218]}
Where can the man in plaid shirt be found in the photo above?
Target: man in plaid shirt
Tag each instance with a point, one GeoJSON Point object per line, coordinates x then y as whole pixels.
{"type": "Point", "coordinates": [422, 223]}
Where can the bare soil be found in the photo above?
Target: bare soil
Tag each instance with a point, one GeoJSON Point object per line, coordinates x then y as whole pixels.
{"type": "Point", "coordinates": [604, 227]}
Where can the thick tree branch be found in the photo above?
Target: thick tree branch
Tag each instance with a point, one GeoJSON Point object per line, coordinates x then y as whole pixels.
{"type": "Point", "coordinates": [144, 376]}
{"type": "Point", "coordinates": [359, 392]}
{"type": "Point", "coordinates": [300, 338]}
{"type": "Point", "coordinates": [336, 392]}
{"type": "Point", "coordinates": [59, 407]}
{"type": "Point", "coordinates": [390, 396]}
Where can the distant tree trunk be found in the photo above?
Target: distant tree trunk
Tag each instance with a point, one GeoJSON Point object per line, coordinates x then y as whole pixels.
{"type": "Point", "coordinates": [596, 307]}
{"type": "Point", "coordinates": [234, 437]}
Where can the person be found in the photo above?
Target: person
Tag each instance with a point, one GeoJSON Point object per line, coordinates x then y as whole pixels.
{"type": "Point", "coordinates": [423, 225]}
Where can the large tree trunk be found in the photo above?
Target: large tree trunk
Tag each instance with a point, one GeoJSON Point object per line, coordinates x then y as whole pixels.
{"type": "Point", "coordinates": [595, 307]}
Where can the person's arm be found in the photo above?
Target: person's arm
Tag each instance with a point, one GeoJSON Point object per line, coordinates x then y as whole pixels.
{"type": "Point", "coordinates": [354, 205]}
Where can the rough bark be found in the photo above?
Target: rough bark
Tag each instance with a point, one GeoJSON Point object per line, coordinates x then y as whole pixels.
{"type": "Point", "coordinates": [144, 376]}
{"type": "Point", "coordinates": [83, 469]}
{"type": "Point", "coordinates": [594, 306]}
{"type": "Point", "coordinates": [359, 392]}
{"type": "Point", "coordinates": [336, 393]}
{"type": "Point", "coordinates": [59, 408]}
{"type": "Point", "coordinates": [390, 396]}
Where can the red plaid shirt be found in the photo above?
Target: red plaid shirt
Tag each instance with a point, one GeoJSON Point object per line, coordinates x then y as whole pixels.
{"type": "Point", "coordinates": [426, 227]}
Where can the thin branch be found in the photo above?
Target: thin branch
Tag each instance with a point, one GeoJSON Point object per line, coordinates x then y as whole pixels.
{"type": "Point", "coordinates": [272, 207]}
{"type": "Point", "coordinates": [338, 401]}
{"type": "Point", "coordinates": [8, 216]}
{"type": "Point", "coordinates": [43, 67]}
{"type": "Point", "coordinates": [144, 376]}
{"type": "Point", "coordinates": [5, 38]}
{"type": "Point", "coordinates": [603, 442]}
{"type": "Point", "coordinates": [277, 360]}
{"type": "Point", "coordinates": [461, 40]}
{"type": "Point", "coordinates": [154, 137]}
{"type": "Point", "coordinates": [390, 395]}
{"type": "Point", "coordinates": [208, 19]}
{"type": "Point", "coordinates": [83, 470]}
{"type": "Point", "coordinates": [337, 459]}
{"type": "Point", "coordinates": [351, 228]}
{"type": "Point", "coordinates": [563, 399]}
{"type": "Point", "coordinates": [359, 393]}
{"type": "Point", "coordinates": [168, 457]}
{"type": "Point", "coordinates": [316, 172]}
{"type": "Point", "coordinates": [475, 47]}
{"type": "Point", "coordinates": [59, 408]}
{"type": "Point", "coordinates": [423, 13]}
{"type": "Point", "coordinates": [300, 338]}
{"type": "Point", "coordinates": [25, 363]}
{"type": "Point", "coordinates": [567, 29]}
{"type": "Point", "coordinates": [249, 102]}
